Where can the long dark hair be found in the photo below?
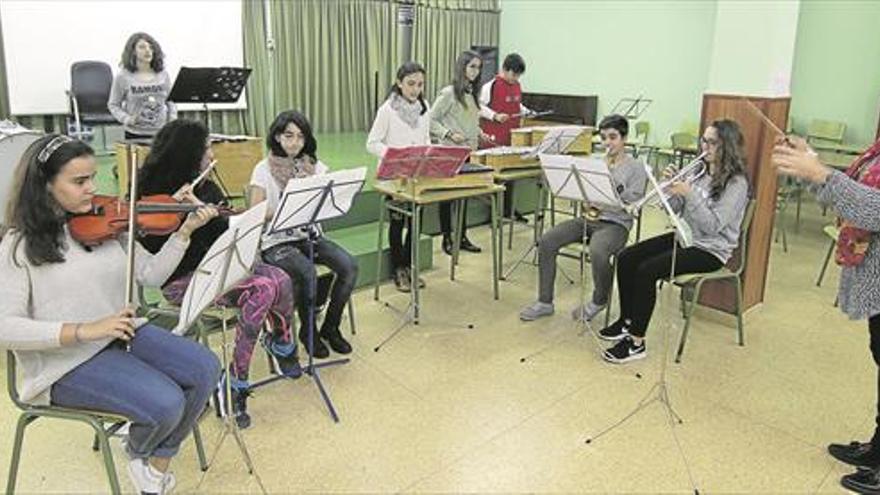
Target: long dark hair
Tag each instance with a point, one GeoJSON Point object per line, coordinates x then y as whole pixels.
{"type": "Point", "coordinates": [175, 157]}
{"type": "Point", "coordinates": [731, 160]}
{"type": "Point", "coordinates": [461, 85]}
{"type": "Point", "coordinates": [32, 210]}
{"type": "Point", "coordinates": [407, 69]}
{"type": "Point", "coordinates": [129, 57]}
{"type": "Point", "coordinates": [310, 145]}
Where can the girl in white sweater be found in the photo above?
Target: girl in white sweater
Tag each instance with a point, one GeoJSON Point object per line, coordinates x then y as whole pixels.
{"type": "Point", "coordinates": [403, 120]}
{"type": "Point", "coordinates": [62, 312]}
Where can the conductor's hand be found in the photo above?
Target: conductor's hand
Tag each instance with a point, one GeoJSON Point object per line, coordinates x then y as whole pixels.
{"type": "Point", "coordinates": [501, 117]}
{"type": "Point", "coordinates": [679, 189]}
{"type": "Point", "coordinates": [115, 326]}
{"type": "Point", "coordinates": [804, 164]}
{"type": "Point", "coordinates": [793, 141]}
{"type": "Point", "coordinates": [196, 220]}
{"type": "Point", "coordinates": [669, 172]}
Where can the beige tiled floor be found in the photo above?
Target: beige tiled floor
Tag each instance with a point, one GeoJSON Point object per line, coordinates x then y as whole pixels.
{"type": "Point", "coordinates": [444, 408]}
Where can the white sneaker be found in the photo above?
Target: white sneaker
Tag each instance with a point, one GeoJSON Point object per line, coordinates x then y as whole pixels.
{"type": "Point", "coordinates": [149, 481]}
{"type": "Point", "coordinates": [586, 312]}
{"type": "Point", "coordinates": [536, 310]}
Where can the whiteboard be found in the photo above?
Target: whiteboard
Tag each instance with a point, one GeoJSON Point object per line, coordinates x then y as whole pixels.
{"type": "Point", "coordinates": [42, 38]}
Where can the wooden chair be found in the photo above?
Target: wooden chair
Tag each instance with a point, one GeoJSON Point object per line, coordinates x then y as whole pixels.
{"type": "Point", "coordinates": [833, 233]}
{"type": "Point", "coordinates": [695, 282]}
{"type": "Point", "coordinates": [104, 424]}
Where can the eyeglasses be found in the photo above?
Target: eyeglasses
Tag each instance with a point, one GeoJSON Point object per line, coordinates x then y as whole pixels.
{"type": "Point", "coordinates": [709, 142]}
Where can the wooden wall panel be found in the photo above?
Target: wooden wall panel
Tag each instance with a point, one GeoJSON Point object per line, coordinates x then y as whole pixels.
{"type": "Point", "coordinates": [759, 139]}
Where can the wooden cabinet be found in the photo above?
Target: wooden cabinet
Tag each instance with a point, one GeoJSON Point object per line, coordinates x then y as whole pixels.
{"type": "Point", "coordinates": [235, 162]}
{"type": "Point", "coordinates": [759, 139]}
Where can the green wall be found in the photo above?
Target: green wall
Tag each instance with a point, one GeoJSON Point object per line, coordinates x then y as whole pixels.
{"type": "Point", "coordinates": [753, 47]}
{"type": "Point", "coordinates": [837, 66]}
{"type": "Point", "coordinates": [673, 51]}
{"type": "Point", "coordinates": [659, 49]}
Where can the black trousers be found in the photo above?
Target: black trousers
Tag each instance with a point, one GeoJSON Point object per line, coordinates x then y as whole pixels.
{"type": "Point", "coordinates": [400, 247]}
{"type": "Point", "coordinates": [874, 330]}
{"type": "Point", "coordinates": [446, 218]}
{"type": "Point", "coordinates": [641, 265]}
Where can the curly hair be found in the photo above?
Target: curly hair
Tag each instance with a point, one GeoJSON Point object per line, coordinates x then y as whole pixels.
{"type": "Point", "coordinates": [175, 157]}
{"type": "Point", "coordinates": [129, 57]}
{"type": "Point", "coordinates": [730, 161]}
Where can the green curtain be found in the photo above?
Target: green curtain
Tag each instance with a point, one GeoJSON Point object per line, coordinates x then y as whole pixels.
{"type": "Point", "coordinates": [440, 34]}
{"type": "Point", "coordinates": [4, 95]}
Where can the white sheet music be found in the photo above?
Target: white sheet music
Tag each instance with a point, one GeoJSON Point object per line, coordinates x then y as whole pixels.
{"type": "Point", "coordinates": [581, 179]}
{"type": "Point", "coordinates": [302, 196]}
{"type": "Point", "coordinates": [242, 240]}
{"type": "Point", "coordinates": [557, 140]}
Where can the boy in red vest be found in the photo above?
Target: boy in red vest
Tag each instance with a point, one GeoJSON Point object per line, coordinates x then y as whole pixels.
{"type": "Point", "coordinates": [501, 108]}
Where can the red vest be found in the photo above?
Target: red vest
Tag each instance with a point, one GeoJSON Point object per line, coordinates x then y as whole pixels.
{"type": "Point", "coordinates": [504, 98]}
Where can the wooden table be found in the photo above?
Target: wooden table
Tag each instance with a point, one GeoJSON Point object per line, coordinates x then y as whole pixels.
{"type": "Point", "coordinates": [412, 207]}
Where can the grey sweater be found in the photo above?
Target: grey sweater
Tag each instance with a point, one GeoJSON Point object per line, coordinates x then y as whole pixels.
{"type": "Point", "coordinates": [715, 224]}
{"type": "Point", "coordinates": [859, 291]}
{"type": "Point", "coordinates": [35, 301]}
{"type": "Point", "coordinates": [140, 105]}
{"type": "Point", "coordinates": [630, 178]}
{"type": "Point", "coordinates": [448, 116]}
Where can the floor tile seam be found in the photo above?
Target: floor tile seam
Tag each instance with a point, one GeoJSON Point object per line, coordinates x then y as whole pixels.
{"type": "Point", "coordinates": [473, 449]}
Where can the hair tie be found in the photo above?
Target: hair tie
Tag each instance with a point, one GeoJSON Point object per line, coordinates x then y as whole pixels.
{"type": "Point", "coordinates": [51, 147]}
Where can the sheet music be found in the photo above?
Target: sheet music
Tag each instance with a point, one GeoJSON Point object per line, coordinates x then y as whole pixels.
{"type": "Point", "coordinates": [581, 179]}
{"type": "Point", "coordinates": [557, 140]}
{"type": "Point", "coordinates": [242, 239]}
{"type": "Point", "coordinates": [301, 198]}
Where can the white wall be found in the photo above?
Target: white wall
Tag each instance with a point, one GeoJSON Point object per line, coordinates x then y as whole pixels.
{"type": "Point", "coordinates": [43, 38]}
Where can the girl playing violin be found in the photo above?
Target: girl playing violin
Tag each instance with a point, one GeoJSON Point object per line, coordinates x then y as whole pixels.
{"type": "Point", "coordinates": [62, 312]}
{"type": "Point", "coordinates": [180, 152]}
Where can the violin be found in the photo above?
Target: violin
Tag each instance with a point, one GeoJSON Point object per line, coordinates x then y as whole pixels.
{"type": "Point", "coordinates": [158, 214]}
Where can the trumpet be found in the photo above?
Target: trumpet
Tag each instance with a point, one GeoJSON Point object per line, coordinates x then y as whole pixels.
{"type": "Point", "coordinates": [690, 173]}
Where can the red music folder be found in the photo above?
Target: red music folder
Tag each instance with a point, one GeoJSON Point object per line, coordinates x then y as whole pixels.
{"type": "Point", "coordinates": [422, 161]}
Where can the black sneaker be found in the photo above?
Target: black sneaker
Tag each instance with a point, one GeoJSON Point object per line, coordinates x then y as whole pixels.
{"type": "Point", "coordinates": [447, 244]}
{"type": "Point", "coordinates": [519, 217]}
{"type": "Point", "coordinates": [283, 363]}
{"type": "Point", "coordinates": [614, 331]}
{"type": "Point", "coordinates": [625, 350]}
{"type": "Point", "coordinates": [467, 245]}
{"type": "Point", "coordinates": [239, 403]}
{"type": "Point", "coordinates": [862, 481]}
{"type": "Point", "coordinates": [856, 454]}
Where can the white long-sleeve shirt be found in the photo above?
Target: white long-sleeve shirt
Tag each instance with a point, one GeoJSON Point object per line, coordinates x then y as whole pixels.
{"type": "Point", "coordinates": [389, 130]}
{"type": "Point", "coordinates": [36, 301]}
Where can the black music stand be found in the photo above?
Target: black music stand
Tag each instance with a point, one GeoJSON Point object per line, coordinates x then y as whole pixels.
{"type": "Point", "coordinates": [631, 108]}
{"type": "Point", "coordinates": [304, 204]}
{"type": "Point", "coordinates": [206, 85]}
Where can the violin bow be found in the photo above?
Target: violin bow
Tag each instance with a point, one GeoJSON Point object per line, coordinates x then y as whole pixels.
{"type": "Point", "coordinates": [132, 222]}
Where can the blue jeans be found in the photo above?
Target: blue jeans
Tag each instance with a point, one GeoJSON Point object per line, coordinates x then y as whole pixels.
{"type": "Point", "coordinates": [293, 258]}
{"type": "Point", "coordinates": [161, 386]}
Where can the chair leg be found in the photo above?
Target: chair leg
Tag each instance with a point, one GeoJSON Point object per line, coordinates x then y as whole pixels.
{"type": "Point", "coordinates": [107, 455]}
{"type": "Point", "coordinates": [23, 421]}
{"type": "Point", "coordinates": [739, 313]}
{"type": "Point", "coordinates": [200, 447]}
{"type": "Point", "coordinates": [825, 263]}
{"type": "Point", "coordinates": [351, 315]}
{"type": "Point", "coordinates": [687, 320]}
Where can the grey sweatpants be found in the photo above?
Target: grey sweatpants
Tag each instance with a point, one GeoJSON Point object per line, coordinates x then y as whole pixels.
{"type": "Point", "coordinates": [605, 239]}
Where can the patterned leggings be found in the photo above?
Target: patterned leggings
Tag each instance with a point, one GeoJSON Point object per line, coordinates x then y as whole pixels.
{"type": "Point", "coordinates": [267, 293]}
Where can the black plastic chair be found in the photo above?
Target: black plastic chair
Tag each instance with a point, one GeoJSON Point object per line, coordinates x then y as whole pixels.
{"type": "Point", "coordinates": [90, 83]}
